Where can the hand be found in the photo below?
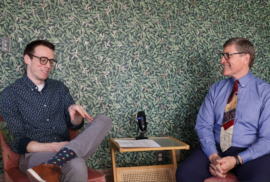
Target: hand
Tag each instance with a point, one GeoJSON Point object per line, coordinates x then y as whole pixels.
{"type": "Point", "coordinates": [213, 158]}
{"type": "Point", "coordinates": [217, 171]}
{"type": "Point", "coordinates": [215, 167]}
{"type": "Point", "coordinates": [76, 112]}
{"type": "Point", "coordinates": [56, 146]}
{"type": "Point", "coordinates": [227, 163]}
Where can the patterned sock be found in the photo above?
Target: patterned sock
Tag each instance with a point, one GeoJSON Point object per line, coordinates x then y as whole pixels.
{"type": "Point", "coordinates": [62, 157]}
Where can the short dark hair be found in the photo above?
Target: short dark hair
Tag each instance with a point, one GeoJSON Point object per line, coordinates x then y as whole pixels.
{"type": "Point", "coordinates": [242, 45]}
{"type": "Point", "coordinates": [29, 49]}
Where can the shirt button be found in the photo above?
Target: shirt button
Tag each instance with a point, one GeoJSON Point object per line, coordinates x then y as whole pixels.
{"type": "Point", "coordinates": [48, 120]}
{"type": "Point", "coordinates": [45, 105]}
{"type": "Point", "coordinates": [36, 87]}
{"type": "Point", "coordinates": [32, 89]}
{"type": "Point", "coordinates": [55, 138]}
{"type": "Point", "coordinates": [53, 127]}
{"type": "Point", "coordinates": [40, 92]}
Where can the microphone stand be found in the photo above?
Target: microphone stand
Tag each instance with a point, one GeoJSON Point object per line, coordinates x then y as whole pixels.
{"type": "Point", "coordinates": [141, 137]}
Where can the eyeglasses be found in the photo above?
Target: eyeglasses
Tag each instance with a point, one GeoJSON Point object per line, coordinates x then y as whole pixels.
{"type": "Point", "coordinates": [44, 60]}
{"type": "Point", "coordinates": [227, 55]}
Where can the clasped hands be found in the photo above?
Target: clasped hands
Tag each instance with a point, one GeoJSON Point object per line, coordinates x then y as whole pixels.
{"type": "Point", "coordinates": [220, 166]}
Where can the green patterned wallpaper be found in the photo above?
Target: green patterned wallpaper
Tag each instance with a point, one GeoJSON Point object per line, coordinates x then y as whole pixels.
{"type": "Point", "coordinates": [120, 57]}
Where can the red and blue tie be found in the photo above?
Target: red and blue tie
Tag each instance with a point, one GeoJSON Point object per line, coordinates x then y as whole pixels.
{"type": "Point", "coordinates": [226, 131]}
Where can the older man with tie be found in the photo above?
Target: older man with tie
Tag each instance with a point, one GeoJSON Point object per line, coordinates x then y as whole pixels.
{"type": "Point", "coordinates": [233, 123]}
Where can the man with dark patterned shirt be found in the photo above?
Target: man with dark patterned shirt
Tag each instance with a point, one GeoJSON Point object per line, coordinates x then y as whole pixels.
{"type": "Point", "coordinates": [38, 112]}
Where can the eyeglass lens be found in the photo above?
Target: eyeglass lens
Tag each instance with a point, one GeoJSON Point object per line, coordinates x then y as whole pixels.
{"type": "Point", "coordinates": [226, 56]}
{"type": "Point", "coordinates": [44, 60]}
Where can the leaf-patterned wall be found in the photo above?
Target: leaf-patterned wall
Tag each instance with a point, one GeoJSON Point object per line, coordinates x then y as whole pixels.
{"type": "Point", "coordinates": [120, 57]}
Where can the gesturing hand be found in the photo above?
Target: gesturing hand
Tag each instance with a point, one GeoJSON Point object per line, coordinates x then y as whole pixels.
{"type": "Point", "coordinates": [76, 111]}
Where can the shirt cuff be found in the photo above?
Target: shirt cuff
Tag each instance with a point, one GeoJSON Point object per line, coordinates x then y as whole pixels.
{"type": "Point", "coordinates": [22, 146]}
{"type": "Point", "coordinates": [73, 127]}
{"type": "Point", "coordinates": [246, 156]}
{"type": "Point", "coordinates": [210, 150]}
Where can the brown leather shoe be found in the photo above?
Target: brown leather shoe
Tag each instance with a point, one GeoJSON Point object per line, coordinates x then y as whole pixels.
{"type": "Point", "coordinates": [44, 173]}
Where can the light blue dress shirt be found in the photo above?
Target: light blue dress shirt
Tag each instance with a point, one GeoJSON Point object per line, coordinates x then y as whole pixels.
{"type": "Point", "coordinates": [252, 120]}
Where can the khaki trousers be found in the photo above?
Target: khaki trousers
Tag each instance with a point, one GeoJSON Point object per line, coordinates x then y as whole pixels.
{"type": "Point", "coordinates": [84, 145]}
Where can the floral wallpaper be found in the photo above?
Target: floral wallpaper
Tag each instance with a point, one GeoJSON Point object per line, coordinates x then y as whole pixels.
{"type": "Point", "coordinates": [119, 57]}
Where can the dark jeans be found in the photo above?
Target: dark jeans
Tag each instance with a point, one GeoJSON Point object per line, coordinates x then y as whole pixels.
{"type": "Point", "coordinates": [196, 167]}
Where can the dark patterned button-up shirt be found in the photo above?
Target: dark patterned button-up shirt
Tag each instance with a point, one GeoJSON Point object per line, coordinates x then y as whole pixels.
{"type": "Point", "coordinates": [36, 116]}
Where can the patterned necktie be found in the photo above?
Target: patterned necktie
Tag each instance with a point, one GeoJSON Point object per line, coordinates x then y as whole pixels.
{"type": "Point", "coordinates": [226, 131]}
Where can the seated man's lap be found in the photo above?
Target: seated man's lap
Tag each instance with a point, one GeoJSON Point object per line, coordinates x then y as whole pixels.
{"type": "Point", "coordinates": [255, 170]}
{"type": "Point", "coordinates": [194, 168]}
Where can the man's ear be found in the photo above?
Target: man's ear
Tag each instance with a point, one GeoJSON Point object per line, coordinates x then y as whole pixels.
{"type": "Point", "coordinates": [26, 59]}
{"type": "Point", "coordinates": [246, 59]}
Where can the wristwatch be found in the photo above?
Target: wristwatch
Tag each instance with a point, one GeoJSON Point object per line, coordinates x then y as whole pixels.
{"type": "Point", "coordinates": [238, 163]}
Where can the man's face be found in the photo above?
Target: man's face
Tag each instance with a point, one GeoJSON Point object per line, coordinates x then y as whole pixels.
{"type": "Point", "coordinates": [36, 71]}
{"type": "Point", "coordinates": [237, 64]}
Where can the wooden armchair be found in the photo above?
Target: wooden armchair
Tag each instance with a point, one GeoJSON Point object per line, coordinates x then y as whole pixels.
{"type": "Point", "coordinates": [11, 163]}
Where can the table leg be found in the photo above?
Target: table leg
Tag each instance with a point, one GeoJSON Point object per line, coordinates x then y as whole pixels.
{"type": "Point", "coordinates": [113, 164]}
{"type": "Point", "coordinates": [174, 162]}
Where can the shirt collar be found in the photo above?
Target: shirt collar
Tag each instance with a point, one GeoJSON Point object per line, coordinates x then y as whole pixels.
{"type": "Point", "coordinates": [30, 84]}
{"type": "Point", "coordinates": [243, 80]}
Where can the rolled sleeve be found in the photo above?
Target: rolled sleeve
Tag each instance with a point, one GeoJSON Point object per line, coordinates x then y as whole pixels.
{"type": "Point", "coordinates": [68, 101]}
{"type": "Point", "coordinates": [73, 127]}
{"type": "Point", "coordinates": [22, 146]}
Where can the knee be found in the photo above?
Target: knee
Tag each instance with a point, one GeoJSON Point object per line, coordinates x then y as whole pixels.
{"type": "Point", "coordinates": [77, 167]}
{"type": "Point", "coordinates": [104, 120]}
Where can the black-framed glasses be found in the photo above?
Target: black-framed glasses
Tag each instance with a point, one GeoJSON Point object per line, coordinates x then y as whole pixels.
{"type": "Point", "coordinates": [44, 60]}
{"type": "Point", "coordinates": [227, 55]}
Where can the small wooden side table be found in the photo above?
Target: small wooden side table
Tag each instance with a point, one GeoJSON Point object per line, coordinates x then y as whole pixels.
{"type": "Point", "coordinates": [147, 173]}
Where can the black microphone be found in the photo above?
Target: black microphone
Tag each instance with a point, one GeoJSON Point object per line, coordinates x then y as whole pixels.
{"type": "Point", "coordinates": [142, 125]}
{"type": "Point", "coordinates": [142, 120]}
